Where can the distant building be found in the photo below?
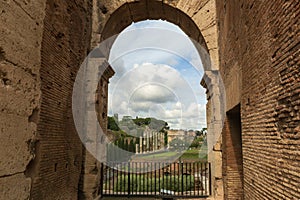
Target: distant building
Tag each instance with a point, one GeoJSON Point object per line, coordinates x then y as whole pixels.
{"type": "Point", "coordinates": [150, 141]}
{"type": "Point", "coordinates": [126, 118]}
{"type": "Point", "coordinates": [180, 134]}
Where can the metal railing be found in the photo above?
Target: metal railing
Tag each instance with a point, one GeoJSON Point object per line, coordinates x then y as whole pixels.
{"type": "Point", "coordinates": [157, 179]}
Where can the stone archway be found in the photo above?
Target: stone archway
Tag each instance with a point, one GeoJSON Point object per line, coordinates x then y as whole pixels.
{"type": "Point", "coordinates": [198, 20]}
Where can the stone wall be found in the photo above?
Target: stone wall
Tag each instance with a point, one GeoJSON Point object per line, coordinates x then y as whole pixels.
{"type": "Point", "coordinates": [259, 51]}
{"type": "Point", "coordinates": [21, 33]}
{"type": "Point", "coordinates": [56, 169]}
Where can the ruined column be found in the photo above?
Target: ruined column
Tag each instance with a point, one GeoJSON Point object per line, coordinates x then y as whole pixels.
{"type": "Point", "coordinates": [141, 144]}
{"type": "Point", "coordinates": [147, 142]}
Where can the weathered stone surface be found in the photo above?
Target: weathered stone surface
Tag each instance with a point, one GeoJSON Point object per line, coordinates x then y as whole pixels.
{"type": "Point", "coordinates": [192, 7]}
{"type": "Point", "coordinates": [203, 14]}
{"type": "Point", "coordinates": [33, 9]}
{"type": "Point", "coordinates": [15, 187]}
{"type": "Point", "coordinates": [15, 143]}
{"type": "Point", "coordinates": [20, 36]}
{"type": "Point", "coordinates": [19, 90]}
{"type": "Point", "coordinates": [20, 45]}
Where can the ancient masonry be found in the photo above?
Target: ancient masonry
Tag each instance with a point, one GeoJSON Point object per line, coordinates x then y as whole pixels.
{"type": "Point", "coordinates": [253, 45]}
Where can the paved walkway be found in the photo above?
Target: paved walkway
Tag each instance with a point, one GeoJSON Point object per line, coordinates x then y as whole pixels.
{"type": "Point", "coordinates": [125, 198]}
{"type": "Point", "coordinates": [136, 198]}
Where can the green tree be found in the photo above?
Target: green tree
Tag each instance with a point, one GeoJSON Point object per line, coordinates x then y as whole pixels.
{"type": "Point", "coordinates": [142, 121]}
{"type": "Point", "coordinates": [112, 125]}
{"type": "Point", "coordinates": [197, 142]}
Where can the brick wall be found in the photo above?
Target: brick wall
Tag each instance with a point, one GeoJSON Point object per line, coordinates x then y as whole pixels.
{"type": "Point", "coordinates": [261, 40]}
{"type": "Point", "coordinates": [57, 166]}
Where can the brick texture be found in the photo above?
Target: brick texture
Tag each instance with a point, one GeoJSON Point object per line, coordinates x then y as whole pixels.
{"type": "Point", "coordinates": [57, 167]}
{"type": "Point", "coordinates": [232, 155]}
{"type": "Point", "coordinates": [262, 39]}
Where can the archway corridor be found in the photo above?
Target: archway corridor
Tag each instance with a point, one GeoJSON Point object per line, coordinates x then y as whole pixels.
{"type": "Point", "coordinates": [250, 54]}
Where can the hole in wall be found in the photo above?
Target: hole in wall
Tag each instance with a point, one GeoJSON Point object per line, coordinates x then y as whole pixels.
{"type": "Point", "coordinates": [103, 9]}
{"type": "Point", "coordinates": [248, 102]}
{"type": "Point", "coordinates": [34, 117]}
{"type": "Point", "coordinates": [2, 54]}
{"type": "Point", "coordinates": [6, 81]}
{"type": "Point", "coordinates": [76, 161]}
{"type": "Point", "coordinates": [55, 167]}
{"type": "Point", "coordinates": [59, 35]}
{"type": "Point", "coordinates": [251, 6]}
{"type": "Point", "coordinates": [3, 74]}
{"type": "Point", "coordinates": [32, 167]}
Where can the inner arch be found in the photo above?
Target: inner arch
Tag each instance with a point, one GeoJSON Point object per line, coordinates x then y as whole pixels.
{"type": "Point", "coordinates": [154, 10]}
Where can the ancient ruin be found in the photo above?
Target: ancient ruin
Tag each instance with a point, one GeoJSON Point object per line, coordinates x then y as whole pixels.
{"type": "Point", "coordinates": [253, 45]}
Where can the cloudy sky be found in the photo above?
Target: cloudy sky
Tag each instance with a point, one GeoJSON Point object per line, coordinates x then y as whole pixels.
{"type": "Point", "coordinates": [158, 73]}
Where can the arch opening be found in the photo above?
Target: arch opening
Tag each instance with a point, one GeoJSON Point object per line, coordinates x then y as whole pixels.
{"type": "Point", "coordinates": [157, 75]}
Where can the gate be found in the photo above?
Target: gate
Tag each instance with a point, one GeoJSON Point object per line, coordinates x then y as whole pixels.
{"type": "Point", "coordinates": [160, 179]}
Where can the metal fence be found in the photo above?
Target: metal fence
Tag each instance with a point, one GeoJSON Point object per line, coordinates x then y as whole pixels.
{"type": "Point", "coordinates": [157, 179]}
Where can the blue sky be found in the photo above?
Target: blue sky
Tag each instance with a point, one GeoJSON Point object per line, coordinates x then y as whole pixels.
{"type": "Point", "coordinates": [158, 74]}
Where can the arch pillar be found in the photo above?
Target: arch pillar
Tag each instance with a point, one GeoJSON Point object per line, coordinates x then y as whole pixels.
{"type": "Point", "coordinates": [215, 121]}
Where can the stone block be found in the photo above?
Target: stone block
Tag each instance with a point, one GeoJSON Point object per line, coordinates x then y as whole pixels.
{"type": "Point", "coordinates": [20, 37]}
{"type": "Point", "coordinates": [19, 91]}
{"type": "Point", "coordinates": [15, 187]}
{"type": "Point", "coordinates": [15, 150]}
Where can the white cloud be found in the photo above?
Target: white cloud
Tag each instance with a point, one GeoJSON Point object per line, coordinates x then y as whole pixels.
{"type": "Point", "coordinates": [152, 81]}
{"type": "Point", "coordinates": [161, 39]}
{"type": "Point", "coordinates": [153, 93]}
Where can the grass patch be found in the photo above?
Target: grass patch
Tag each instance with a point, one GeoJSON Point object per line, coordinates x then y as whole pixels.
{"type": "Point", "coordinates": [189, 155]}
{"type": "Point", "coordinates": [142, 183]}
{"type": "Point", "coordinates": [193, 155]}
{"type": "Point", "coordinates": [158, 155]}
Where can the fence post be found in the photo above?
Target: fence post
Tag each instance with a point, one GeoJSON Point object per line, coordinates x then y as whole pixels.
{"type": "Point", "coordinates": [101, 179]}
{"type": "Point", "coordinates": [182, 181]}
{"type": "Point", "coordinates": [128, 179]}
{"type": "Point", "coordinates": [209, 171]}
{"type": "Point", "coordinates": [155, 178]}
